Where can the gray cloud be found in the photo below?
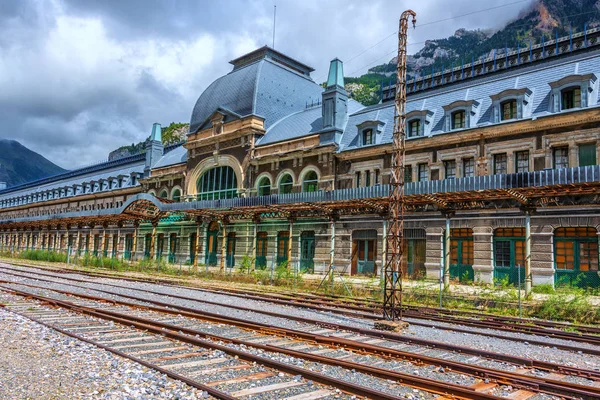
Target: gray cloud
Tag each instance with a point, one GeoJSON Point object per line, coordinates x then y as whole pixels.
{"type": "Point", "coordinates": [80, 78]}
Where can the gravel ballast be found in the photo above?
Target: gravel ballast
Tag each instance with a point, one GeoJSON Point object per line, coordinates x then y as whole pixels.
{"type": "Point", "coordinates": [40, 363]}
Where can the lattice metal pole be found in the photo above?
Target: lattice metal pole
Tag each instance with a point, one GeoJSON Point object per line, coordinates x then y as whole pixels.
{"type": "Point", "coordinates": [392, 296]}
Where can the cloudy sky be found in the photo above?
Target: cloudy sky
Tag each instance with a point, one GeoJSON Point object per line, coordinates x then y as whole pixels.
{"type": "Point", "coordinates": [79, 78]}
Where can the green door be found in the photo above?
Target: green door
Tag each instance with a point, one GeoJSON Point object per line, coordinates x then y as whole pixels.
{"type": "Point", "coordinates": [283, 241]}
{"type": "Point", "coordinates": [115, 244]}
{"type": "Point", "coordinates": [160, 244]}
{"type": "Point", "coordinates": [509, 255]}
{"type": "Point", "coordinates": [461, 255]}
{"type": "Point", "coordinates": [231, 250]}
{"type": "Point", "coordinates": [262, 242]}
{"type": "Point", "coordinates": [173, 242]}
{"type": "Point", "coordinates": [128, 247]}
{"type": "Point", "coordinates": [193, 245]}
{"type": "Point", "coordinates": [587, 155]}
{"type": "Point", "coordinates": [211, 246]}
{"type": "Point", "coordinates": [147, 245]}
{"type": "Point", "coordinates": [366, 257]}
{"type": "Point", "coordinates": [96, 245]}
{"type": "Point", "coordinates": [307, 252]}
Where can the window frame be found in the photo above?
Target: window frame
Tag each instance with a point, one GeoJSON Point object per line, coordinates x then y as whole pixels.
{"type": "Point", "coordinates": [286, 184]}
{"type": "Point", "coordinates": [217, 183]}
{"type": "Point", "coordinates": [504, 162]}
{"type": "Point", "coordinates": [261, 187]}
{"type": "Point", "coordinates": [471, 161]}
{"type": "Point", "coordinates": [411, 133]}
{"type": "Point", "coordinates": [518, 166]}
{"type": "Point", "coordinates": [368, 132]}
{"type": "Point", "coordinates": [565, 157]}
{"type": "Point", "coordinates": [513, 110]}
{"type": "Point", "coordinates": [423, 168]}
{"type": "Point", "coordinates": [310, 183]}
{"type": "Point", "coordinates": [452, 165]}
{"type": "Point", "coordinates": [575, 97]}
{"type": "Point", "coordinates": [463, 121]}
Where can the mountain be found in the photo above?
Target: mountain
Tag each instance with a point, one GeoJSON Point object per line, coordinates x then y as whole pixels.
{"type": "Point", "coordinates": [19, 165]}
{"type": "Point", "coordinates": [541, 20]}
{"type": "Point", "coordinates": [174, 133]}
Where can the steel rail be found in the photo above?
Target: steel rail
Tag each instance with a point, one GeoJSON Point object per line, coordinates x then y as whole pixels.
{"type": "Point", "coordinates": [210, 390]}
{"type": "Point", "coordinates": [369, 305]}
{"type": "Point", "coordinates": [192, 336]}
{"type": "Point", "coordinates": [366, 314]}
{"type": "Point", "coordinates": [369, 332]}
{"type": "Point", "coordinates": [549, 386]}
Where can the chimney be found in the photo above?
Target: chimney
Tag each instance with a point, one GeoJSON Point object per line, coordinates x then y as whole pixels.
{"type": "Point", "coordinates": [154, 149]}
{"type": "Point", "coordinates": [335, 103]}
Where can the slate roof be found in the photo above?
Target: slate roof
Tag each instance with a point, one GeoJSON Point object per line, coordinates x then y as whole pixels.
{"type": "Point", "coordinates": [535, 77]}
{"type": "Point", "coordinates": [301, 123]}
{"type": "Point", "coordinates": [265, 88]}
{"type": "Point", "coordinates": [176, 156]}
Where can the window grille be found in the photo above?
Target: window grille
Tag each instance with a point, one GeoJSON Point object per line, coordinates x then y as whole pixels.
{"type": "Point", "coordinates": [561, 157]}
{"type": "Point", "coordinates": [217, 183]}
{"type": "Point", "coordinates": [522, 160]}
{"type": "Point", "coordinates": [500, 164]}
{"type": "Point", "coordinates": [458, 119]}
{"type": "Point", "coordinates": [468, 167]}
{"type": "Point", "coordinates": [286, 184]}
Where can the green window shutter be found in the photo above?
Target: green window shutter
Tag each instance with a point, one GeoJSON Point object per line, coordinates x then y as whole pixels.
{"type": "Point", "coordinates": [587, 155]}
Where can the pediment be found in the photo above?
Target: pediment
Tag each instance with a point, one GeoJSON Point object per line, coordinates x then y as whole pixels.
{"type": "Point", "coordinates": [221, 115]}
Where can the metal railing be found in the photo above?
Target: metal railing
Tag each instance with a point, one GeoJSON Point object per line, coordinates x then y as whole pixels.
{"type": "Point", "coordinates": [547, 177]}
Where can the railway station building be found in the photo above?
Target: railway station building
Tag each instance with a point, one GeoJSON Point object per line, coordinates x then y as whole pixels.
{"type": "Point", "coordinates": [278, 168]}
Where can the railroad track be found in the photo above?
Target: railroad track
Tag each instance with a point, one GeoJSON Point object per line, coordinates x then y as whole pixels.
{"type": "Point", "coordinates": [532, 384]}
{"type": "Point", "coordinates": [197, 357]}
{"type": "Point", "coordinates": [486, 328]}
{"type": "Point", "coordinates": [373, 333]}
{"type": "Point", "coordinates": [339, 304]}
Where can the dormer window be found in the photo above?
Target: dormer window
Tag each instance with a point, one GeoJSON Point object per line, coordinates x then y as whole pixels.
{"type": "Point", "coordinates": [418, 123]}
{"type": "Point", "coordinates": [574, 91]}
{"type": "Point", "coordinates": [461, 114]}
{"type": "Point", "coordinates": [414, 128]}
{"type": "Point", "coordinates": [367, 136]}
{"type": "Point", "coordinates": [509, 110]}
{"type": "Point", "coordinates": [511, 104]}
{"type": "Point", "coordinates": [458, 119]}
{"type": "Point", "coordinates": [570, 98]}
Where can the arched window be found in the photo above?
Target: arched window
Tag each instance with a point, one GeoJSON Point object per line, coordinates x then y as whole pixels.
{"type": "Point", "coordinates": [176, 195]}
{"type": "Point", "coordinates": [310, 182]}
{"type": "Point", "coordinates": [286, 184]}
{"type": "Point", "coordinates": [163, 195]}
{"type": "Point", "coordinates": [217, 183]}
{"type": "Point", "coordinates": [264, 186]}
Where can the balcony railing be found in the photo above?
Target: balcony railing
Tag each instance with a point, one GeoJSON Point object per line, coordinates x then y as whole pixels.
{"type": "Point", "coordinates": [548, 177]}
